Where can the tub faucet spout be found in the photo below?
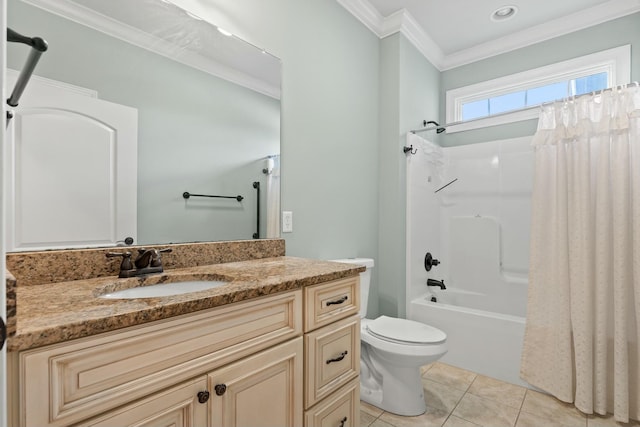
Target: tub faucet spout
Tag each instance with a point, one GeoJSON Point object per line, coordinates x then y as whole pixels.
{"type": "Point", "coordinates": [439, 283]}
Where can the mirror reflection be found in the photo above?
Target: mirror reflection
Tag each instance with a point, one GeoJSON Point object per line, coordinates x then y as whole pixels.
{"type": "Point", "coordinates": [206, 111]}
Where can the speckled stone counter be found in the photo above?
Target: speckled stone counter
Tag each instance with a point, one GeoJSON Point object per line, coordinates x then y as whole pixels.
{"type": "Point", "coordinates": [52, 266]}
{"type": "Point", "coordinates": [55, 312]}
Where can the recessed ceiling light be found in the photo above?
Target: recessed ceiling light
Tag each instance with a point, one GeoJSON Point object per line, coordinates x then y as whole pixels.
{"type": "Point", "coordinates": [504, 12]}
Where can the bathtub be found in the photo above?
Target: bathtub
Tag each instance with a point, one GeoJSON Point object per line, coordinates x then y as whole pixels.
{"type": "Point", "coordinates": [482, 341]}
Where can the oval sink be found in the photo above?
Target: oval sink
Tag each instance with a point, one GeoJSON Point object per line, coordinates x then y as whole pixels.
{"type": "Point", "coordinates": [164, 289]}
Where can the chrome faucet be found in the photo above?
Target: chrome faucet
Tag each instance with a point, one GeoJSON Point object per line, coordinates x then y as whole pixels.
{"type": "Point", "coordinates": [433, 282]}
{"type": "Point", "coordinates": [147, 262]}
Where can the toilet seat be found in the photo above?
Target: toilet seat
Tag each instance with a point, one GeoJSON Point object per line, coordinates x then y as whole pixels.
{"type": "Point", "coordinates": [403, 331]}
{"type": "Point", "coordinates": [397, 347]}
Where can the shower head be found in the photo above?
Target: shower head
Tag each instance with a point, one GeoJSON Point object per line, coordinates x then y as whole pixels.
{"type": "Point", "coordinates": [436, 124]}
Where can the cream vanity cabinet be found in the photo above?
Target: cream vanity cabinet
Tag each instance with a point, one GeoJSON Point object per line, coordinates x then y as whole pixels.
{"type": "Point", "coordinates": [289, 359]}
{"type": "Point", "coordinates": [239, 364]}
{"type": "Point", "coordinates": [332, 353]}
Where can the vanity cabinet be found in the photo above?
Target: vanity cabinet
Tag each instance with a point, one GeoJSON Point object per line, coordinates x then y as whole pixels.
{"type": "Point", "coordinates": [250, 346]}
{"type": "Point", "coordinates": [288, 359]}
{"type": "Point", "coordinates": [332, 353]}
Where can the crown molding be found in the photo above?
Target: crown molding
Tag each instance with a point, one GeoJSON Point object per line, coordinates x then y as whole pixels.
{"type": "Point", "coordinates": [89, 18]}
{"type": "Point", "coordinates": [365, 13]}
{"type": "Point", "coordinates": [402, 21]}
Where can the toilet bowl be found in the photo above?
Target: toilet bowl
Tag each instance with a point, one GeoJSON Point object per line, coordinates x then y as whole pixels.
{"type": "Point", "coordinates": [391, 353]}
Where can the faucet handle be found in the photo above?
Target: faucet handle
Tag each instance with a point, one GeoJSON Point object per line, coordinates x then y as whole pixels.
{"type": "Point", "coordinates": [156, 260]}
{"type": "Point", "coordinates": [126, 259]}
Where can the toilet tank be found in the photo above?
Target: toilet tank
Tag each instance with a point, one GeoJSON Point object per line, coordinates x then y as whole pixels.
{"type": "Point", "coordinates": [365, 280]}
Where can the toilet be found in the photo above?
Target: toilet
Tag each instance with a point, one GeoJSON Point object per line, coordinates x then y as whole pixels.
{"type": "Point", "coordinates": [391, 353]}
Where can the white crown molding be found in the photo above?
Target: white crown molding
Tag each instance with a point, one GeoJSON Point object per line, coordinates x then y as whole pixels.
{"type": "Point", "coordinates": [580, 20]}
{"type": "Point", "coordinates": [87, 17]}
{"type": "Point", "coordinates": [400, 21]}
{"type": "Point", "coordinates": [403, 22]}
{"type": "Point", "coordinates": [365, 13]}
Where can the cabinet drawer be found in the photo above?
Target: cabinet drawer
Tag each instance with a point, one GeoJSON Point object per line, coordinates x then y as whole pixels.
{"type": "Point", "coordinates": [327, 302]}
{"type": "Point", "coordinates": [341, 409]}
{"type": "Point", "coordinates": [91, 375]}
{"type": "Point", "coordinates": [332, 358]}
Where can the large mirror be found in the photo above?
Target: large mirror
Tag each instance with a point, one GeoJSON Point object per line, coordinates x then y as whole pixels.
{"type": "Point", "coordinates": [208, 110]}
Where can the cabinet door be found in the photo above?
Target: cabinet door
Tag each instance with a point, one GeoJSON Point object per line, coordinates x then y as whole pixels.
{"type": "Point", "coordinates": [261, 390]}
{"type": "Point", "coordinates": [176, 407]}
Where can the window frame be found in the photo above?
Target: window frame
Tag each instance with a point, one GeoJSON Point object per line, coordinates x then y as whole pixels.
{"type": "Point", "coordinates": [616, 62]}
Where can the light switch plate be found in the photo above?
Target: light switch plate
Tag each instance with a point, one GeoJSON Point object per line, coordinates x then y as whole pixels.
{"type": "Point", "coordinates": [287, 221]}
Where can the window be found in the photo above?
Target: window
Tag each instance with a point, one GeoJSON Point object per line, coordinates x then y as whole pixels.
{"type": "Point", "coordinates": [513, 98]}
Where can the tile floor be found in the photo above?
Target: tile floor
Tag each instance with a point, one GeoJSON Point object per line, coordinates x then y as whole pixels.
{"type": "Point", "coordinates": [459, 398]}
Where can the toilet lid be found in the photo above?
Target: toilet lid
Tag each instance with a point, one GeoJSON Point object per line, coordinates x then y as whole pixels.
{"type": "Point", "coordinates": [404, 330]}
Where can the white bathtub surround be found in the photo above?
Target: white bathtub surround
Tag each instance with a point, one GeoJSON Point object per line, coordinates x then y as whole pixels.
{"type": "Point", "coordinates": [583, 314]}
{"type": "Point", "coordinates": [478, 228]}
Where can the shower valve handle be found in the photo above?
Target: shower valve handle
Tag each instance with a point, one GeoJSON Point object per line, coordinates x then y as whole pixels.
{"type": "Point", "coordinates": [430, 261]}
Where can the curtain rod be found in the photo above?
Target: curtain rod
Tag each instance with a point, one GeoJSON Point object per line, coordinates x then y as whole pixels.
{"type": "Point", "coordinates": [570, 98]}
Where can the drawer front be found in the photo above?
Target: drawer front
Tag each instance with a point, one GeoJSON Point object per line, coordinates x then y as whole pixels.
{"type": "Point", "coordinates": [327, 302]}
{"type": "Point", "coordinates": [91, 375]}
{"type": "Point", "coordinates": [341, 409]}
{"type": "Point", "coordinates": [332, 358]}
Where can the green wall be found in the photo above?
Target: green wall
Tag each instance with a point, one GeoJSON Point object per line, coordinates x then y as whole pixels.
{"type": "Point", "coordinates": [618, 32]}
{"type": "Point", "coordinates": [329, 118]}
{"type": "Point", "coordinates": [348, 100]}
{"type": "Point", "coordinates": [409, 85]}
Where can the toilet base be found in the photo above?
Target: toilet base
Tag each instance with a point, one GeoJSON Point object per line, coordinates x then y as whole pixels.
{"type": "Point", "coordinates": [401, 392]}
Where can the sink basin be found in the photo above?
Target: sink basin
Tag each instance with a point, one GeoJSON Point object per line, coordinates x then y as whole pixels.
{"type": "Point", "coordinates": [164, 289]}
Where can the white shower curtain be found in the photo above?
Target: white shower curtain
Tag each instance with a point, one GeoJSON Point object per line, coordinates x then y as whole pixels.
{"type": "Point", "coordinates": [583, 314]}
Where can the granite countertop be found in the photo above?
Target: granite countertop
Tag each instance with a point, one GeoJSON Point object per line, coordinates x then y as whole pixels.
{"type": "Point", "coordinates": [58, 312]}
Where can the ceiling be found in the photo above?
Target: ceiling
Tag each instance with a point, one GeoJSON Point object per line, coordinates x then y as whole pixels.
{"type": "Point", "coordinates": [455, 32]}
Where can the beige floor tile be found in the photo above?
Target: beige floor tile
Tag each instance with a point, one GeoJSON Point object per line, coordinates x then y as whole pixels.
{"type": "Point", "coordinates": [499, 391]}
{"type": "Point", "coordinates": [366, 419]}
{"type": "Point", "coordinates": [450, 375]}
{"type": "Point", "coordinates": [370, 409]}
{"type": "Point", "coordinates": [526, 419]}
{"type": "Point", "coordinates": [608, 421]}
{"type": "Point", "coordinates": [453, 421]}
{"type": "Point", "coordinates": [552, 409]}
{"type": "Point", "coordinates": [441, 396]}
{"type": "Point", "coordinates": [380, 423]}
{"type": "Point", "coordinates": [425, 368]}
{"type": "Point", "coordinates": [431, 418]}
{"type": "Point", "coordinates": [485, 412]}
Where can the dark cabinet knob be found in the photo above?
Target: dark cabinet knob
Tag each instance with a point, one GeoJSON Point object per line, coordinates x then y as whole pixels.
{"type": "Point", "coordinates": [220, 389]}
{"type": "Point", "coordinates": [342, 421]}
{"type": "Point", "coordinates": [203, 396]}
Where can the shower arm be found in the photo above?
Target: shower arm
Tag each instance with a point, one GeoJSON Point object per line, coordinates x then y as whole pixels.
{"type": "Point", "coordinates": [39, 46]}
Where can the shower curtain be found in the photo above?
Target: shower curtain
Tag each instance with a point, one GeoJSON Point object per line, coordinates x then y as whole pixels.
{"type": "Point", "coordinates": [583, 313]}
